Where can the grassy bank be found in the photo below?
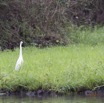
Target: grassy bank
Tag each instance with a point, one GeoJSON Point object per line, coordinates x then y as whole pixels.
{"type": "Point", "coordinates": [56, 68]}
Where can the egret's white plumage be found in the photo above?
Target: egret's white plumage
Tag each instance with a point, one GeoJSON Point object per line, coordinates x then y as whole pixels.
{"type": "Point", "coordinates": [20, 59]}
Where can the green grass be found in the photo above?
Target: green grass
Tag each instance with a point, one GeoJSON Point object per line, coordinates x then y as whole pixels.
{"type": "Point", "coordinates": [56, 68]}
{"type": "Point", "coordinates": [86, 35]}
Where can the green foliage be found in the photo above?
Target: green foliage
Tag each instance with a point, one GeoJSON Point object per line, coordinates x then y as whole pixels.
{"type": "Point", "coordinates": [86, 35]}
{"type": "Point", "coordinates": [58, 68]}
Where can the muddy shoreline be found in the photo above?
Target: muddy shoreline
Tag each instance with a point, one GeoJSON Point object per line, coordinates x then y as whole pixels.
{"type": "Point", "coordinates": [30, 93]}
{"type": "Point", "coordinates": [97, 91]}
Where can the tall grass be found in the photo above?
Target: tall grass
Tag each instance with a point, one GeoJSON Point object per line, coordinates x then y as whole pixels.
{"type": "Point", "coordinates": [86, 35]}
{"type": "Point", "coordinates": [57, 68]}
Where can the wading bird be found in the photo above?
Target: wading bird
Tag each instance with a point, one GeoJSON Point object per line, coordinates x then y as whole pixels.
{"type": "Point", "coordinates": [20, 59]}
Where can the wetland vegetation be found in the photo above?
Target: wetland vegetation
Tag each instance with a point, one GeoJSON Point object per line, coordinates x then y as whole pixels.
{"type": "Point", "coordinates": [69, 35]}
{"type": "Point", "coordinates": [60, 68]}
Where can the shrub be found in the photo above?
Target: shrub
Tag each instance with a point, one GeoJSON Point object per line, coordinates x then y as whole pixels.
{"type": "Point", "coordinates": [30, 20]}
{"type": "Point", "coordinates": [86, 12]}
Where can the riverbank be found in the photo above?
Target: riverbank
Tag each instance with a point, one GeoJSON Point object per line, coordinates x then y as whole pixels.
{"type": "Point", "coordinates": [59, 69]}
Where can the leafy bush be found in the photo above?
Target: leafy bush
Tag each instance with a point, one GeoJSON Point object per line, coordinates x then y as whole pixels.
{"type": "Point", "coordinates": [86, 12]}
{"type": "Point", "coordinates": [30, 20]}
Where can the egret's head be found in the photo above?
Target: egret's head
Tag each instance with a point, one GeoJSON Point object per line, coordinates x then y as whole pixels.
{"type": "Point", "coordinates": [21, 42]}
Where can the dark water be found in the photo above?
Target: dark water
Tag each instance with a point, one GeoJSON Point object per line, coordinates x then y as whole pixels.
{"type": "Point", "coordinates": [55, 99]}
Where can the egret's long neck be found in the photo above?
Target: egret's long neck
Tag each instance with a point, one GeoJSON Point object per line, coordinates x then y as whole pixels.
{"type": "Point", "coordinates": [21, 50]}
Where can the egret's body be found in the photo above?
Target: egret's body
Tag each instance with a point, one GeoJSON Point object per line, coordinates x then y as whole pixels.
{"type": "Point", "coordinates": [20, 59]}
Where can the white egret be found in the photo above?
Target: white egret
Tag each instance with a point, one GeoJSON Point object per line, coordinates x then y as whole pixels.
{"type": "Point", "coordinates": [20, 59]}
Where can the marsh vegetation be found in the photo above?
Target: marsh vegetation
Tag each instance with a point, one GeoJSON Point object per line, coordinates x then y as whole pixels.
{"type": "Point", "coordinates": [69, 35]}
{"type": "Point", "coordinates": [58, 68]}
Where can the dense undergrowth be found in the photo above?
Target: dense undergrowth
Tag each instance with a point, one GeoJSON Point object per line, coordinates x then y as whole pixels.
{"type": "Point", "coordinates": [45, 22]}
